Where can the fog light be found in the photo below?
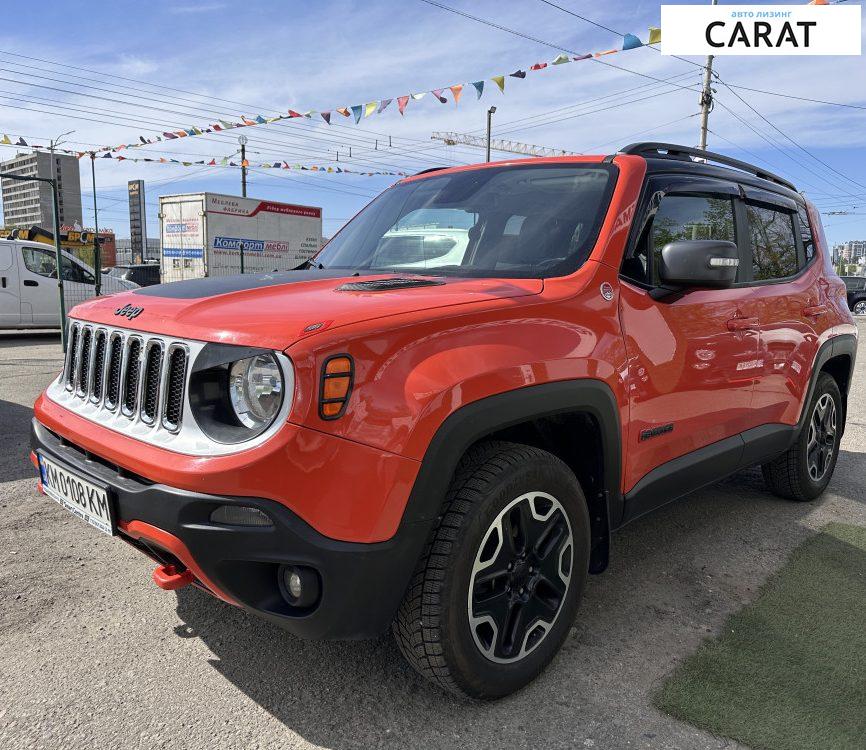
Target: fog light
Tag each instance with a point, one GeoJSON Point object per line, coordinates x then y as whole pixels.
{"type": "Point", "coordinates": [240, 515]}
{"type": "Point", "coordinates": [299, 585]}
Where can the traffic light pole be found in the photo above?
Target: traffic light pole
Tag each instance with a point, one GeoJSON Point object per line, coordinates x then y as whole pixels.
{"type": "Point", "coordinates": [58, 252]}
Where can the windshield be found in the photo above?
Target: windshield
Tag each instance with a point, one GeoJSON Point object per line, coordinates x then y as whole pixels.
{"type": "Point", "coordinates": [526, 222]}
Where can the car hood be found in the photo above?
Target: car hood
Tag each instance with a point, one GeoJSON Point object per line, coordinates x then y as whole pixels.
{"type": "Point", "coordinates": [274, 310]}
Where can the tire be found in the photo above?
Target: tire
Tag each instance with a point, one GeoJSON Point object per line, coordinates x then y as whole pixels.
{"type": "Point", "coordinates": [803, 472]}
{"type": "Point", "coordinates": [859, 307]}
{"type": "Point", "coordinates": [447, 636]}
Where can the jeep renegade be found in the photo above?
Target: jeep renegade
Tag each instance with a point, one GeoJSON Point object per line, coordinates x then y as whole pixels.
{"type": "Point", "coordinates": [438, 424]}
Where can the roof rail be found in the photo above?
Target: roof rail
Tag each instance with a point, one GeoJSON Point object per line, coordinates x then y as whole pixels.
{"type": "Point", "coordinates": [430, 169]}
{"type": "Point", "coordinates": [688, 153]}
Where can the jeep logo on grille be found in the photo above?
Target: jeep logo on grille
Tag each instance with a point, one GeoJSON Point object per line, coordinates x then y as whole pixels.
{"type": "Point", "coordinates": [129, 311]}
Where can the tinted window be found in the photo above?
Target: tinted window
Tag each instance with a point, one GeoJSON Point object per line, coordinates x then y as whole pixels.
{"type": "Point", "coordinates": [854, 284]}
{"type": "Point", "coordinates": [507, 221]}
{"type": "Point", "coordinates": [687, 217]}
{"type": "Point", "coordinates": [774, 247]}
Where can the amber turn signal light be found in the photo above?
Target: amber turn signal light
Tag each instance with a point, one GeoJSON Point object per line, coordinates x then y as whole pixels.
{"type": "Point", "coordinates": [338, 374]}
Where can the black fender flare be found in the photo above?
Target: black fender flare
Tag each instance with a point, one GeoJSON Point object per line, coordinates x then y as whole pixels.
{"type": "Point", "coordinates": [475, 421]}
{"type": "Point", "coordinates": [843, 344]}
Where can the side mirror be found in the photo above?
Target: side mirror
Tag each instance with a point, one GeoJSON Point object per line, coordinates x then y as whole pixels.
{"type": "Point", "coordinates": [699, 263]}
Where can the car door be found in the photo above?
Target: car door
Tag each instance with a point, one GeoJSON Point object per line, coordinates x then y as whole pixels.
{"type": "Point", "coordinates": [40, 301]}
{"type": "Point", "coordinates": [791, 302]}
{"type": "Point", "coordinates": [10, 300]}
{"type": "Point", "coordinates": [693, 356]}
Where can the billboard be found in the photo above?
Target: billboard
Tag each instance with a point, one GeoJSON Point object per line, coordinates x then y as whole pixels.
{"type": "Point", "coordinates": [137, 220]}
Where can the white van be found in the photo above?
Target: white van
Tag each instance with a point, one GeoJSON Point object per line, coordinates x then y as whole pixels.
{"type": "Point", "coordinates": [28, 284]}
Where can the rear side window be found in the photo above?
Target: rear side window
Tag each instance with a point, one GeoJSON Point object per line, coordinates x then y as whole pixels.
{"type": "Point", "coordinates": [774, 246]}
{"type": "Point", "coordinates": [691, 217]}
{"type": "Point", "coordinates": [806, 232]}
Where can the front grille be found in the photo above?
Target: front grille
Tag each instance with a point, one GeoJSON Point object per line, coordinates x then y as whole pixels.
{"type": "Point", "coordinates": [145, 378]}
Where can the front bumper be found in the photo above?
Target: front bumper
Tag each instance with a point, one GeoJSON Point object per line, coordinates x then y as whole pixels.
{"type": "Point", "coordinates": [361, 584]}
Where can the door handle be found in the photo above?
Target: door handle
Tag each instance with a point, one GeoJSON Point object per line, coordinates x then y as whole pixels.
{"type": "Point", "coordinates": [4, 282]}
{"type": "Point", "coordinates": [743, 324]}
{"type": "Point", "coordinates": [814, 310]}
{"type": "Point", "coordinates": [30, 282]}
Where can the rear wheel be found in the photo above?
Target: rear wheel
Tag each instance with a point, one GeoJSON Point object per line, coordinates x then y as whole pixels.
{"type": "Point", "coordinates": [498, 586]}
{"type": "Point", "coordinates": [860, 307]}
{"type": "Point", "coordinates": [804, 470]}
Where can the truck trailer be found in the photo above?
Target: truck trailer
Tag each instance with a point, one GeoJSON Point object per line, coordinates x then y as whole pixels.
{"type": "Point", "coordinates": [211, 234]}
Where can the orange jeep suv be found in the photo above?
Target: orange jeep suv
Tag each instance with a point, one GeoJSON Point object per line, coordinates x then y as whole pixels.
{"type": "Point", "coordinates": [439, 423]}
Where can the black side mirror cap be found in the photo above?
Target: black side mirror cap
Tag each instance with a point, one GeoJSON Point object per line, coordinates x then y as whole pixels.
{"type": "Point", "coordinates": [699, 263]}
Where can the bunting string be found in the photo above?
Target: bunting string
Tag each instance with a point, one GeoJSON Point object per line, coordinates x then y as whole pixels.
{"type": "Point", "coordinates": [357, 112]}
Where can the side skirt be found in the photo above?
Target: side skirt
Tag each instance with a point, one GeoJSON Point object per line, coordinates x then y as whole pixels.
{"type": "Point", "coordinates": [685, 474]}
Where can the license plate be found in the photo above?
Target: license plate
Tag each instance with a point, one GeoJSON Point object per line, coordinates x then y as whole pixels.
{"type": "Point", "coordinates": [84, 499]}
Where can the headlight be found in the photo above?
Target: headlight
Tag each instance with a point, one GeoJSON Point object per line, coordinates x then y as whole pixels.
{"type": "Point", "coordinates": [236, 393]}
{"type": "Point", "coordinates": [256, 390]}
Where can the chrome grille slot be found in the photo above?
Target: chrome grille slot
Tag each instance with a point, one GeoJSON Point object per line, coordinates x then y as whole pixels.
{"type": "Point", "coordinates": [112, 381]}
{"type": "Point", "coordinates": [72, 356]}
{"type": "Point", "coordinates": [82, 369]}
{"type": "Point", "coordinates": [97, 381]}
{"type": "Point", "coordinates": [151, 386]}
{"type": "Point", "coordinates": [131, 377]}
{"type": "Point", "coordinates": [174, 386]}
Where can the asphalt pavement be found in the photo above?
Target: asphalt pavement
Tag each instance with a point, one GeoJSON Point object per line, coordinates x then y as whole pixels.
{"type": "Point", "coordinates": [93, 655]}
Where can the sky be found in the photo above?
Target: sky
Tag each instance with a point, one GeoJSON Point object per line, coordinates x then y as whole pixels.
{"type": "Point", "coordinates": [190, 62]}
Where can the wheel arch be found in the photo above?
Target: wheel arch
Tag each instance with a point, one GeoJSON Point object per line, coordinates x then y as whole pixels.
{"type": "Point", "coordinates": [836, 357]}
{"type": "Point", "coordinates": [536, 415]}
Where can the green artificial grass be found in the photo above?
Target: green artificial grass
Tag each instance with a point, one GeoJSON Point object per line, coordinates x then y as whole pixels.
{"type": "Point", "coordinates": [788, 672]}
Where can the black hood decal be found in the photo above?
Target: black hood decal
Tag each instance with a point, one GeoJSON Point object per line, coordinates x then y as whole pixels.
{"type": "Point", "coordinates": [216, 285]}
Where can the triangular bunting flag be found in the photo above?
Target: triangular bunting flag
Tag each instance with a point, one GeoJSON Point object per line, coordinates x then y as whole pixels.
{"type": "Point", "coordinates": [606, 52]}
{"type": "Point", "coordinates": [581, 57]}
{"type": "Point", "coordinates": [655, 35]}
{"type": "Point", "coordinates": [224, 161]}
{"type": "Point", "coordinates": [370, 108]}
{"type": "Point", "coordinates": [383, 105]}
{"type": "Point", "coordinates": [416, 97]}
{"type": "Point", "coordinates": [292, 113]}
{"type": "Point", "coordinates": [247, 121]}
{"type": "Point", "coordinates": [225, 124]}
{"type": "Point", "coordinates": [560, 59]}
{"type": "Point", "coordinates": [402, 101]}
{"type": "Point", "coordinates": [343, 111]}
{"type": "Point", "coordinates": [438, 94]}
{"type": "Point", "coordinates": [456, 90]}
{"type": "Point", "coordinates": [260, 120]}
{"type": "Point", "coordinates": [326, 116]}
{"type": "Point", "coordinates": [499, 81]}
{"type": "Point", "coordinates": [143, 139]}
{"type": "Point", "coordinates": [538, 66]}
{"type": "Point", "coordinates": [518, 74]}
{"type": "Point", "coordinates": [6, 141]}
{"type": "Point", "coordinates": [357, 110]}
{"type": "Point", "coordinates": [106, 155]}
{"type": "Point", "coordinates": [630, 41]}
{"type": "Point", "coordinates": [21, 142]}
{"type": "Point", "coordinates": [245, 163]}
{"type": "Point", "coordinates": [212, 163]}
{"type": "Point", "coordinates": [479, 88]}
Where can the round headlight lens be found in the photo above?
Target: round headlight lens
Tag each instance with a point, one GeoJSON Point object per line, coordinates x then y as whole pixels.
{"type": "Point", "coordinates": [256, 390]}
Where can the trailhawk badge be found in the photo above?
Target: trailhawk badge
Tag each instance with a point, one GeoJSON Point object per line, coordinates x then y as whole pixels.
{"type": "Point", "coordinates": [129, 311]}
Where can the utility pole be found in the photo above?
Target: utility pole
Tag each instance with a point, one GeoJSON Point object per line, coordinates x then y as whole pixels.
{"type": "Point", "coordinates": [97, 260]}
{"type": "Point", "coordinates": [242, 139]}
{"type": "Point", "coordinates": [489, 123]}
{"type": "Point", "coordinates": [706, 98]}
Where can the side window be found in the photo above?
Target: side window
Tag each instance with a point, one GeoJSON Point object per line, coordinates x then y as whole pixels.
{"type": "Point", "coordinates": [40, 261]}
{"type": "Point", "coordinates": [774, 247]}
{"type": "Point", "coordinates": [74, 272]}
{"type": "Point", "coordinates": [806, 232]}
{"type": "Point", "coordinates": [691, 217]}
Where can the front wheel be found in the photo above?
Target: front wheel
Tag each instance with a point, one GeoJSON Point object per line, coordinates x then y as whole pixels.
{"type": "Point", "coordinates": [498, 587]}
{"type": "Point", "coordinates": [804, 470]}
{"type": "Point", "coordinates": [860, 307]}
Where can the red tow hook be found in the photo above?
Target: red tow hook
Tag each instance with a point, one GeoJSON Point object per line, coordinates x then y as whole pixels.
{"type": "Point", "coordinates": [167, 577]}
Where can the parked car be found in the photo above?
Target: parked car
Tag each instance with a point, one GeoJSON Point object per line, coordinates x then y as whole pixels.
{"type": "Point", "coordinates": [855, 287]}
{"type": "Point", "coordinates": [445, 445]}
{"type": "Point", "coordinates": [28, 284]}
{"type": "Point", "coordinates": [141, 274]}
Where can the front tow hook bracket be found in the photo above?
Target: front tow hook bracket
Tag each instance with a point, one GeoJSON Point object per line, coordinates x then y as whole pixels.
{"type": "Point", "coordinates": [169, 578]}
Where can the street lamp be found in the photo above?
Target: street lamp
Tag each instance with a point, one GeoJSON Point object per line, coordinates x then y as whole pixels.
{"type": "Point", "coordinates": [489, 119]}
